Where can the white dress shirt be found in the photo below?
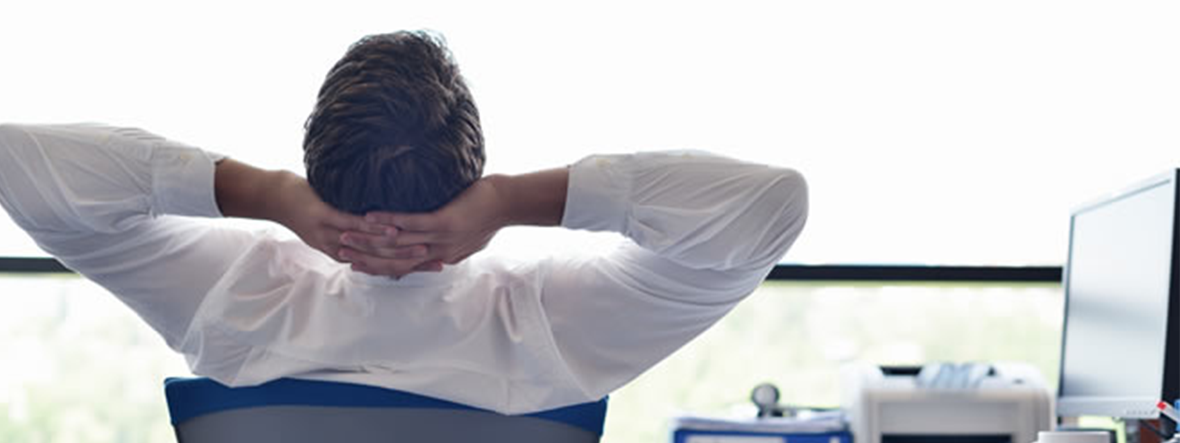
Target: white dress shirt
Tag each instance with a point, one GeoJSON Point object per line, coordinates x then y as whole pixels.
{"type": "Point", "coordinates": [120, 205]}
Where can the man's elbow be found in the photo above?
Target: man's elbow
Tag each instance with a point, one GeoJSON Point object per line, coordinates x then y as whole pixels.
{"type": "Point", "coordinates": [790, 194]}
{"type": "Point", "coordinates": [791, 186]}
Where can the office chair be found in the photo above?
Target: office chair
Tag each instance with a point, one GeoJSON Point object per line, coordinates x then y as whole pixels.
{"type": "Point", "coordinates": [297, 411]}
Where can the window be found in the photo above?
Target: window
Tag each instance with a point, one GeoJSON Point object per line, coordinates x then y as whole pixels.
{"type": "Point", "coordinates": [82, 368]}
{"type": "Point", "coordinates": [79, 366]}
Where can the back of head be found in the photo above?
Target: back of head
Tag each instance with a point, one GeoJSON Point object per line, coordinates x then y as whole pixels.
{"type": "Point", "coordinates": [394, 128]}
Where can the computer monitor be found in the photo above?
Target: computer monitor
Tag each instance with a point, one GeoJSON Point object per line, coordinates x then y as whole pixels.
{"type": "Point", "coordinates": [1119, 353]}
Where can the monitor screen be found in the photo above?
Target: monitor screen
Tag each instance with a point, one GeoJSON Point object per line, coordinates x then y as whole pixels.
{"type": "Point", "coordinates": [1117, 288]}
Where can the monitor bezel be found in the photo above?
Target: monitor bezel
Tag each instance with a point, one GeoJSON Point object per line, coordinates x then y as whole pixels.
{"type": "Point", "coordinates": [1128, 407]}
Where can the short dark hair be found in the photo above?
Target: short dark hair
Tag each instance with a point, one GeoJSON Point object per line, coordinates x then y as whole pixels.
{"type": "Point", "coordinates": [394, 128]}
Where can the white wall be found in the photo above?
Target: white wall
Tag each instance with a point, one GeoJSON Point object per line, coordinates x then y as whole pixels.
{"type": "Point", "coordinates": [945, 132]}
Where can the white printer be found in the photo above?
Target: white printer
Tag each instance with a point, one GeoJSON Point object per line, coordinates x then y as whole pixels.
{"type": "Point", "coordinates": [946, 403]}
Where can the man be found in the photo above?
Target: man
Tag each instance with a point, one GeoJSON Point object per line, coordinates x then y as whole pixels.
{"type": "Point", "coordinates": [395, 136]}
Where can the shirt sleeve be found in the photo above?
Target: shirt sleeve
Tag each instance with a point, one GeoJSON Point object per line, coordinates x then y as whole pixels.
{"type": "Point", "coordinates": [100, 199]}
{"type": "Point", "coordinates": [705, 231]}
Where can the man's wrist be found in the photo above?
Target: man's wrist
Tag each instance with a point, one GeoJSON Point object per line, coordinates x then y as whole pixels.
{"type": "Point", "coordinates": [502, 207]}
{"type": "Point", "coordinates": [535, 199]}
{"type": "Point", "coordinates": [281, 200]}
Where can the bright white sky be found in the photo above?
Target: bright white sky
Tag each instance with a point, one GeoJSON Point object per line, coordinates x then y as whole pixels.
{"type": "Point", "coordinates": [931, 132]}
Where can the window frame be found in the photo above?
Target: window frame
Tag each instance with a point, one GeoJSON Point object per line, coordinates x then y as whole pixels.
{"type": "Point", "coordinates": [994, 274]}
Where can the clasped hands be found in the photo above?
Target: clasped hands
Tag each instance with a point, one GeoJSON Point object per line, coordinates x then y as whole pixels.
{"type": "Point", "coordinates": [396, 244]}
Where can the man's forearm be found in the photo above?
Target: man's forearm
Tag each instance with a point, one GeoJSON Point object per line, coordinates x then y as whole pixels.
{"type": "Point", "coordinates": [287, 199]}
{"type": "Point", "coordinates": [248, 192]}
{"type": "Point", "coordinates": [536, 198]}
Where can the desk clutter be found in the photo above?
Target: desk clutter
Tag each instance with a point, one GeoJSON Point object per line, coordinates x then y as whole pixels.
{"type": "Point", "coordinates": [1120, 348]}
{"type": "Point", "coordinates": [966, 403]}
{"type": "Point", "coordinates": [821, 427]}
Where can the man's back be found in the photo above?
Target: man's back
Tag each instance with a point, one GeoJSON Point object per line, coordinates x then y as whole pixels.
{"type": "Point", "coordinates": [475, 333]}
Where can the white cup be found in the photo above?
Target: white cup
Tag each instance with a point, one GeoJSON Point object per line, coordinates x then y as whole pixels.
{"type": "Point", "coordinates": [1073, 437]}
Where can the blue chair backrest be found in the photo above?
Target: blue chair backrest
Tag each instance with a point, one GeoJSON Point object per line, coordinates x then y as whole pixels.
{"type": "Point", "coordinates": [290, 410]}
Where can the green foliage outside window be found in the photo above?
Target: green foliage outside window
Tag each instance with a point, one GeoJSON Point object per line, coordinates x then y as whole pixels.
{"type": "Point", "coordinates": [81, 368]}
